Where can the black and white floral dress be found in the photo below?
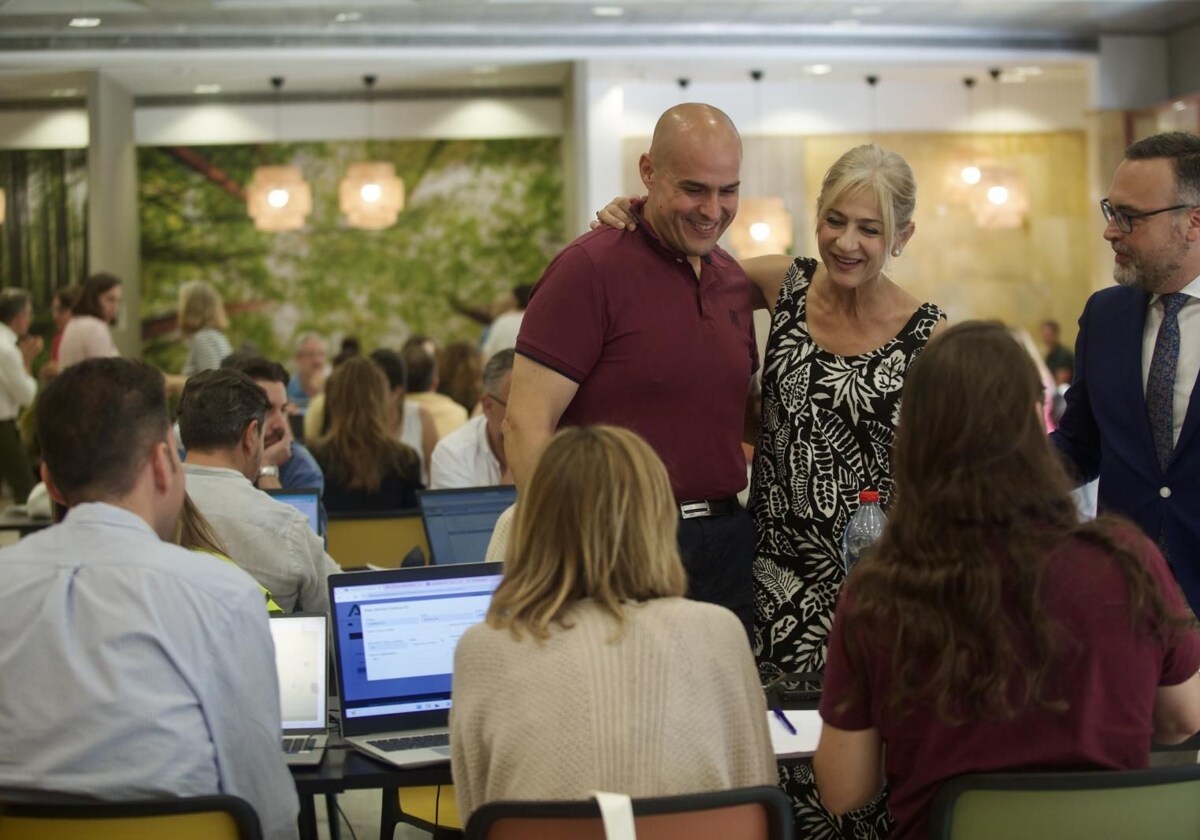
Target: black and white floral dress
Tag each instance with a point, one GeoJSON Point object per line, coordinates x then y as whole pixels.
{"type": "Point", "coordinates": [826, 433]}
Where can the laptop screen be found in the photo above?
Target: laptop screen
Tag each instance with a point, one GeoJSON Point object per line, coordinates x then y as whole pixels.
{"type": "Point", "coordinates": [302, 664]}
{"type": "Point", "coordinates": [394, 636]}
{"type": "Point", "coordinates": [459, 523]}
{"type": "Point", "coordinates": [306, 500]}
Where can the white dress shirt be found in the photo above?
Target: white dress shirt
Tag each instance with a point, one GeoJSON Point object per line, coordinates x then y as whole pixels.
{"type": "Point", "coordinates": [464, 458]}
{"type": "Point", "coordinates": [17, 387]}
{"type": "Point", "coordinates": [1188, 367]}
{"type": "Point", "coordinates": [134, 668]}
{"type": "Point", "coordinates": [269, 539]}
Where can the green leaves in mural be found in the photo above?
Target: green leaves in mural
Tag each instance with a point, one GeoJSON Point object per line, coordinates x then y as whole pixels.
{"type": "Point", "coordinates": [480, 218]}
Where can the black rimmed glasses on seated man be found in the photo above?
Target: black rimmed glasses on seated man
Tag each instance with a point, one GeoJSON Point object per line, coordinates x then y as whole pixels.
{"type": "Point", "coordinates": [1125, 218]}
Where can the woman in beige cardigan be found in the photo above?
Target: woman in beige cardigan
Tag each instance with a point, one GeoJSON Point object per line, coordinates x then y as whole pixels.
{"type": "Point", "coordinates": [591, 671]}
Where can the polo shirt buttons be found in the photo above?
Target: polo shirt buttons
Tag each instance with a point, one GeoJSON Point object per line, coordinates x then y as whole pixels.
{"type": "Point", "coordinates": [1165, 492]}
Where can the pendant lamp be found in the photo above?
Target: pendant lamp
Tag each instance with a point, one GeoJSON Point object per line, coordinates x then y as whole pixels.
{"type": "Point", "coordinates": [370, 193]}
{"type": "Point", "coordinates": [278, 198]}
{"type": "Point", "coordinates": [763, 224]}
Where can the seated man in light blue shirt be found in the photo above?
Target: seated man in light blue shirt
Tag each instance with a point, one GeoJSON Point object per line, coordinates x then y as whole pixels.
{"type": "Point", "coordinates": [133, 668]}
{"type": "Point", "coordinates": [221, 421]}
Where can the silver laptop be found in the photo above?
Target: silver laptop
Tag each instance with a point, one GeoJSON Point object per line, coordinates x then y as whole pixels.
{"type": "Point", "coordinates": [394, 633]}
{"type": "Point", "coordinates": [302, 663]}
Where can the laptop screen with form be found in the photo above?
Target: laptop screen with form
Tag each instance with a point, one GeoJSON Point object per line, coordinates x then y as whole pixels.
{"type": "Point", "coordinates": [301, 662]}
{"type": "Point", "coordinates": [459, 523]}
{"type": "Point", "coordinates": [394, 635]}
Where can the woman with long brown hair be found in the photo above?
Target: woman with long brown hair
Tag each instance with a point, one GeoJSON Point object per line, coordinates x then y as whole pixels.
{"type": "Point", "coordinates": [990, 628]}
{"type": "Point", "coordinates": [365, 467]}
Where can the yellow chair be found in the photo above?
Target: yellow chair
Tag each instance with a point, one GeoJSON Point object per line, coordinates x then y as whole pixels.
{"type": "Point", "coordinates": [381, 540]}
{"type": "Point", "coordinates": [432, 808]}
{"type": "Point", "coordinates": [33, 816]}
{"type": "Point", "coordinates": [1160, 802]}
{"type": "Point", "coordinates": [754, 813]}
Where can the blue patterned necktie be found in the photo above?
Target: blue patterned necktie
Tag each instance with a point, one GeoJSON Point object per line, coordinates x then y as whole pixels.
{"type": "Point", "coordinates": [1160, 385]}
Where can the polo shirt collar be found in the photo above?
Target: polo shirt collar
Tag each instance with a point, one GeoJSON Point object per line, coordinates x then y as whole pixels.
{"type": "Point", "coordinates": [102, 513]}
{"type": "Point", "coordinates": [653, 240]}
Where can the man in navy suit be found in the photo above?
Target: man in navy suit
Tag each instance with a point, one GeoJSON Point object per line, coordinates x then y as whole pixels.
{"type": "Point", "coordinates": [1132, 412]}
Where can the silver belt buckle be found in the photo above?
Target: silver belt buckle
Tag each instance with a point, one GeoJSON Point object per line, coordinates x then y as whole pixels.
{"type": "Point", "coordinates": [694, 510]}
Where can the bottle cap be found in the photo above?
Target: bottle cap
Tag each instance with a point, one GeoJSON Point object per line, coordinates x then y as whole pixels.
{"type": "Point", "coordinates": [868, 497]}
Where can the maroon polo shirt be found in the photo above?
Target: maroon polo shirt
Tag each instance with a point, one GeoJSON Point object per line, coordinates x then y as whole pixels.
{"type": "Point", "coordinates": [653, 348]}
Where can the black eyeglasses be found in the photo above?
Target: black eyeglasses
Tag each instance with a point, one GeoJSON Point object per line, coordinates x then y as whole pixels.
{"type": "Point", "coordinates": [1125, 219]}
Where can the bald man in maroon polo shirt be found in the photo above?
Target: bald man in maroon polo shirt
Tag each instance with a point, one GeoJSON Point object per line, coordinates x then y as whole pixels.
{"type": "Point", "coordinates": [652, 330]}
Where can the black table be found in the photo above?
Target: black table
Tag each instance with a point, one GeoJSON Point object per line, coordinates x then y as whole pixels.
{"type": "Point", "coordinates": [345, 768]}
{"type": "Point", "coordinates": [15, 519]}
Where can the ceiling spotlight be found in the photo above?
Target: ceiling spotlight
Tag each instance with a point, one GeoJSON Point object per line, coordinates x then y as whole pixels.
{"type": "Point", "coordinates": [206, 89]}
{"type": "Point", "coordinates": [347, 17]}
{"type": "Point", "coordinates": [866, 11]}
{"type": "Point", "coordinates": [64, 93]}
{"type": "Point", "coordinates": [84, 22]}
{"type": "Point", "coordinates": [818, 69]}
{"type": "Point", "coordinates": [608, 11]}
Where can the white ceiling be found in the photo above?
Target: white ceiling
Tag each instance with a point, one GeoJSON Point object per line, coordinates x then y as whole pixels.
{"type": "Point", "coordinates": [164, 48]}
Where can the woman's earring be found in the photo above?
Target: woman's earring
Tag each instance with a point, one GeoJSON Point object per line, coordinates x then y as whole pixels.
{"type": "Point", "coordinates": [896, 251]}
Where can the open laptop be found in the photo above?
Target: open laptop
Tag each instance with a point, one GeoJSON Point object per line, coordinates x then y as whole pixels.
{"type": "Point", "coordinates": [307, 500]}
{"type": "Point", "coordinates": [302, 662]}
{"type": "Point", "coordinates": [394, 633]}
{"type": "Point", "coordinates": [459, 523]}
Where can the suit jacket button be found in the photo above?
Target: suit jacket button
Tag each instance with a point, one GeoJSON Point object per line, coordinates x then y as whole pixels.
{"type": "Point", "coordinates": [1165, 492]}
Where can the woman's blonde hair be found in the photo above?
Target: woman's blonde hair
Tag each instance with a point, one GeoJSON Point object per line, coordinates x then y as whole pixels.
{"type": "Point", "coordinates": [597, 520]}
{"type": "Point", "coordinates": [195, 532]}
{"type": "Point", "coordinates": [359, 448]}
{"type": "Point", "coordinates": [200, 307]}
{"type": "Point", "coordinates": [883, 174]}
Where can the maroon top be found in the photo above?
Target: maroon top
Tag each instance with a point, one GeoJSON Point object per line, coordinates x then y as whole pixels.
{"type": "Point", "coordinates": [652, 349]}
{"type": "Point", "coordinates": [1108, 680]}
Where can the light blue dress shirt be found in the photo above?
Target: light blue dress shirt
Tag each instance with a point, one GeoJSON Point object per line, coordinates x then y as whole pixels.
{"type": "Point", "coordinates": [134, 668]}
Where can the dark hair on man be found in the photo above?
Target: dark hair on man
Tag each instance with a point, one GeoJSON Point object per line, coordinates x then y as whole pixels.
{"type": "Point", "coordinates": [393, 367]}
{"type": "Point", "coordinates": [12, 303]}
{"type": "Point", "coordinates": [68, 296]}
{"type": "Point", "coordinates": [421, 365]}
{"type": "Point", "coordinates": [89, 294]}
{"type": "Point", "coordinates": [217, 406]}
{"type": "Point", "coordinates": [1052, 324]}
{"type": "Point", "coordinates": [522, 293]}
{"type": "Point", "coordinates": [981, 502]}
{"type": "Point", "coordinates": [96, 424]}
{"type": "Point", "coordinates": [1183, 150]}
{"type": "Point", "coordinates": [256, 367]}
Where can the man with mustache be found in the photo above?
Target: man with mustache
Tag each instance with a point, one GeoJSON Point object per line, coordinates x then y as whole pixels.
{"type": "Point", "coordinates": [651, 329]}
{"type": "Point", "coordinates": [1132, 414]}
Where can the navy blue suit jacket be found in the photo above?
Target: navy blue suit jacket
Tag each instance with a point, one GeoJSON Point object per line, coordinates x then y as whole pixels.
{"type": "Point", "coordinates": [1106, 433]}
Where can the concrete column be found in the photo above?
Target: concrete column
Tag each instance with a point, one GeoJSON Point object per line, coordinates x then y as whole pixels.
{"type": "Point", "coordinates": [113, 230]}
{"type": "Point", "coordinates": [595, 116]}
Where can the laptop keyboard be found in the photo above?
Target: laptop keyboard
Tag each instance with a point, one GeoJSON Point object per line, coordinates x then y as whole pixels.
{"type": "Point", "coordinates": [299, 743]}
{"type": "Point", "coordinates": [412, 742]}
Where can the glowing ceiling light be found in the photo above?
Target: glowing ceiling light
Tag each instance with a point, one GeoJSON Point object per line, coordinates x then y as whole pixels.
{"type": "Point", "coordinates": [971, 174]}
{"type": "Point", "coordinates": [997, 195]}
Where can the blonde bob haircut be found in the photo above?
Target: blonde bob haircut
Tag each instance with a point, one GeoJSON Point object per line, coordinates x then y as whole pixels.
{"type": "Point", "coordinates": [881, 173]}
{"type": "Point", "coordinates": [200, 307]}
{"type": "Point", "coordinates": [596, 520]}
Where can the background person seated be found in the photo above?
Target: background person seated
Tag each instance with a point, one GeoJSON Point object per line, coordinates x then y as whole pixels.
{"type": "Point", "coordinates": [365, 467]}
{"type": "Point", "coordinates": [133, 668]}
{"type": "Point", "coordinates": [473, 456]}
{"type": "Point", "coordinates": [1030, 639]}
{"type": "Point", "coordinates": [411, 424]}
{"type": "Point", "coordinates": [592, 672]}
{"type": "Point", "coordinates": [421, 363]}
{"type": "Point", "coordinates": [221, 417]}
{"type": "Point", "coordinates": [311, 363]}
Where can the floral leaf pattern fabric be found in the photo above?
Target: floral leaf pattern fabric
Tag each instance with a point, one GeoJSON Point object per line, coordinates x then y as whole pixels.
{"type": "Point", "coordinates": [828, 422]}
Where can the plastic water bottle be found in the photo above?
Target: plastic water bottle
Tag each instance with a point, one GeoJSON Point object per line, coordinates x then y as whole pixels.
{"type": "Point", "coordinates": [866, 526]}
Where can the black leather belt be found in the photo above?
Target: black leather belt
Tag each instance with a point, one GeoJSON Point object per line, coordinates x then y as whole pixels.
{"type": "Point", "coordinates": [708, 507]}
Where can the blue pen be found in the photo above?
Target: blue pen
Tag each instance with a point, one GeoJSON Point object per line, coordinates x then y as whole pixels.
{"type": "Point", "coordinates": [787, 724]}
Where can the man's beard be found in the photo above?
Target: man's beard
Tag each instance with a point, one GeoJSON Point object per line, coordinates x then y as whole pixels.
{"type": "Point", "coordinates": [1150, 278]}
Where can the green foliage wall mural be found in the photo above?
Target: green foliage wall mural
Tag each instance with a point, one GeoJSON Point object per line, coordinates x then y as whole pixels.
{"type": "Point", "coordinates": [480, 217]}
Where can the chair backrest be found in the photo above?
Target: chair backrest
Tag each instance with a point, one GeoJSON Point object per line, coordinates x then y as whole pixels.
{"type": "Point", "coordinates": [756, 813]}
{"type": "Point", "coordinates": [39, 817]}
{"type": "Point", "coordinates": [1160, 802]}
{"type": "Point", "coordinates": [382, 540]}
